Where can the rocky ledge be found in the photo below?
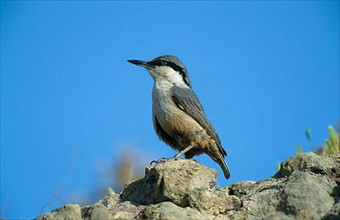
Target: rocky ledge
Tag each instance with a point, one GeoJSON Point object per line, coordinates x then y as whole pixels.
{"type": "Point", "coordinates": [306, 187]}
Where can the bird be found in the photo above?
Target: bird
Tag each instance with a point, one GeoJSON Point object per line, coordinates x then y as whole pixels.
{"type": "Point", "coordinates": [178, 116]}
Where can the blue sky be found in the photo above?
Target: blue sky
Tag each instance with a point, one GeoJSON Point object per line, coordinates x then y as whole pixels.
{"type": "Point", "coordinates": [71, 104]}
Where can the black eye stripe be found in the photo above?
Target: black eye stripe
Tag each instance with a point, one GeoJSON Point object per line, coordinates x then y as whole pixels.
{"type": "Point", "coordinates": [160, 63]}
{"type": "Point", "coordinates": [170, 64]}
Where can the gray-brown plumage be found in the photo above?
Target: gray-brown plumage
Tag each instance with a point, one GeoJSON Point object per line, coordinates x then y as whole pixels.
{"type": "Point", "coordinates": [178, 116]}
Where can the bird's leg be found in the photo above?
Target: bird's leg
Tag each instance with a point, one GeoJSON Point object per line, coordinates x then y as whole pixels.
{"type": "Point", "coordinates": [173, 158]}
{"type": "Point", "coordinates": [182, 152]}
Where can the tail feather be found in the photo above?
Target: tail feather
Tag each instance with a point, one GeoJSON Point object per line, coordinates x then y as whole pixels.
{"type": "Point", "coordinates": [216, 155]}
{"type": "Point", "coordinates": [224, 166]}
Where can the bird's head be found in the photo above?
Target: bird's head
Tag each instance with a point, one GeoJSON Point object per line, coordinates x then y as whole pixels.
{"type": "Point", "coordinates": [166, 68]}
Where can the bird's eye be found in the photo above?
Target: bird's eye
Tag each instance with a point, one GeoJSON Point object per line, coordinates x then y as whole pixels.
{"type": "Point", "coordinates": [160, 63]}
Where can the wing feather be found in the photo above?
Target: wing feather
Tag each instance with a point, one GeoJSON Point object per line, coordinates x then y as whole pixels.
{"type": "Point", "coordinates": [187, 100]}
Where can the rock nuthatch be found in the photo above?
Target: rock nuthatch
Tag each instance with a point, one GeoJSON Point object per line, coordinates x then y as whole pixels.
{"type": "Point", "coordinates": [178, 116]}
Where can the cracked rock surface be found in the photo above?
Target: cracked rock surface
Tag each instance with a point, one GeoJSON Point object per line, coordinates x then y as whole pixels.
{"type": "Point", "coordinates": [306, 187]}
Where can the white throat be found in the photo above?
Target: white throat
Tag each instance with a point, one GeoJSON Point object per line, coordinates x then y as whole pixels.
{"type": "Point", "coordinates": [165, 74]}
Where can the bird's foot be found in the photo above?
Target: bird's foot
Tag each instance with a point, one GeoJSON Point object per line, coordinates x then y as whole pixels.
{"type": "Point", "coordinates": [162, 160]}
{"type": "Point", "coordinates": [176, 157]}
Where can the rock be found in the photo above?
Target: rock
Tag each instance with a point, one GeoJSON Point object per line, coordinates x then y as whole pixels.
{"type": "Point", "coordinates": [334, 213]}
{"type": "Point", "coordinates": [241, 188]}
{"type": "Point", "coordinates": [306, 187]}
{"type": "Point", "coordinates": [329, 165]}
{"type": "Point", "coordinates": [110, 201]}
{"type": "Point", "coordinates": [213, 201]}
{"type": "Point", "coordinates": [306, 196]}
{"type": "Point", "coordinates": [67, 212]}
{"type": "Point", "coordinates": [169, 211]}
{"type": "Point", "coordinates": [96, 211]}
{"type": "Point", "coordinates": [120, 210]}
{"type": "Point", "coordinates": [173, 181]}
{"type": "Point", "coordinates": [126, 210]}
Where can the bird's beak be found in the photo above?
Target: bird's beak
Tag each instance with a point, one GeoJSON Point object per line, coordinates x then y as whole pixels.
{"type": "Point", "coordinates": [139, 63]}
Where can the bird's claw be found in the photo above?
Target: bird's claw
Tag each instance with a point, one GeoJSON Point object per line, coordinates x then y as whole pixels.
{"type": "Point", "coordinates": [163, 160]}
